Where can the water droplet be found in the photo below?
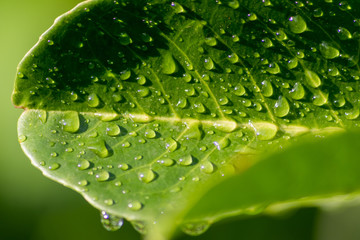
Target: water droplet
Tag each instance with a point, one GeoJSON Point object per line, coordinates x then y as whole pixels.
{"type": "Point", "coordinates": [50, 42]}
{"type": "Point", "coordinates": [83, 164]}
{"type": "Point", "coordinates": [169, 66]}
{"type": "Point", "coordinates": [54, 166]}
{"type": "Point", "coordinates": [225, 126]}
{"type": "Point", "coordinates": [297, 92]}
{"type": "Point", "coordinates": [207, 167]}
{"type": "Point", "coordinates": [135, 205]}
{"type": "Point", "coordinates": [123, 166]}
{"type": "Point", "coordinates": [312, 79]}
{"type": "Point", "coordinates": [124, 39]}
{"type": "Point", "coordinates": [93, 100]}
{"type": "Point", "coordinates": [273, 68]}
{"type": "Point", "coordinates": [141, 80]}
{"type": "Point", "coordinates": [109, 202]}
{"type": "Point", "coordinates": [199, 107]}
{"type": "Point", "coordinates": [22, 138]}
{"type": "Point", "coordinates": [126, 144]}
{"type": "Point", "coordinates": [83, 182]}
{"type": "Point", "coordinates": [125, 75]}
{"type": "Point", "coordinates": [146, 175]}
{"type": "Point", "coordinates": [208, 63]}
{"type": "Point", "coordinates": [343, 33]}
{"type": "Point", "coordinates": [267, 89]}
{"type": "Point", "coordinates": [99, 148]}
{"type": "Point", "coordinates": [281, 35]}
{"type": "Point", "coordinates": [171, 144]}
{"type": "Point", "coordinates": [252, 16]}
{"type": "Point", "coordinates": [339, 100]}
{"type": "Point", "coordinates": [239, 90]}
{"type": "Point", "coordinates": [211, 41]}
{"type": "Point", "coordinates": [182, 103]}
{"type": "Point", "coordinates": [222, 143]}
{"type": "Point", "coordinates": [111, 222]}
{"type": "Point", "coordinates": [233, 58]}
{"type": "Point", "coordinates": [42, 116]}
{"type": "Point", "coordinates": [149, 133]}
{"type": "Point", "coordinates": [328, 51]}
{"type": "Point", "coordinates": [113, 130]}
{"type": "Point", "coordinates": [167, 162]}
{"type": "Point", "coordinates": [177, 7]}
{"type": "Point", "coordinates": [234, 4]}
{"type": "Point", "coordinates": [70, 122]}
{"type": "Point", "coordinates": [224, 101]}
{"type": "Point", "coordinates": [282, 107]}
{"type": "Point", "coordinates": [320, 98]}
{"type": "Point", "coordinates": [352, 114]}
{"type": "Point", "coordinates": [297, 24]}
{"type": "Point", "coordinates": [292, 63]}
{"type": "Point", "coordinates": [143, 91]}
{"type": "Point", "coordinates": [195, 228]}
{"type": "Point", "coordinates": [267, 43]}
{"type": "Point", "coordinates": [190, 91]}
{"type": "Point", "coordinates": [318, 12]}
{"type": "Point", "coordinates": [264, 130]}
{"type": "Point", "coordinates": [102, 176]}
{"type": "Point", "coordinates": [186, 160]}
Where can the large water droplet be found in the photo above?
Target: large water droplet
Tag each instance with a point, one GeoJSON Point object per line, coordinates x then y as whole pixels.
{"type": "Point", "coordinates": [149, 133]}
{"type": "Point", "coordinates": [225, 126]}
{"type": "Point", "coordinates": [169, 66]}
{"type": "Point", "coordinates": [297, 24]}
{"type": "Point", "coordinates": [143, 91]}
{"type": "Point", "coordinates": [352, 114]}
{"type": "Point", "coordinates": [70, 122]}
{"type": "Point", "coordinates": [99, 148]}
{"type": "Point", "coordinates": [111, 222]}
{"type": "Point", "coordinates": [83, 164]}
{"type": "Point", "coordinates": [282, 107]}
{"type": "Point", "coordinates": [199, 107]}
{"type": "Point", "coordinates": [146, 175]}
{"type": "Point", "coordinates": [312, 79]}
{"type": "Point", "coordinates": [328, 51]}
{"type": "Point", "coordinates": [320, 98]}
{"type": "Point", "coordinates": [182, 103]}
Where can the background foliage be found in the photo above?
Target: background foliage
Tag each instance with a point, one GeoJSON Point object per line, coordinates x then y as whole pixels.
{"type": "Point", "coordinates": [33, 207]}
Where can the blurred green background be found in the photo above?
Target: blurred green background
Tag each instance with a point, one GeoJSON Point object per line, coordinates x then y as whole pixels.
{"type": "Point", "coordinates": [34, 207]}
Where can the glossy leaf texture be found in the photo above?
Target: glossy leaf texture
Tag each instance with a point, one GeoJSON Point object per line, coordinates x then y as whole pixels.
{"type": "Point", "coordinates": [142, 106]}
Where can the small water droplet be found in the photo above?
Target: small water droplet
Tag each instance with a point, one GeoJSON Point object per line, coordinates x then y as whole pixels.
{"type": "Point", "coordinates": [195, 228]}
{"type": "Point", "coordinates": [123, 166]}
{"type": "Point", "coordinates": [343, 33]}
{"type": "Point", "coordinates": [252, 16]}
{"type": "Point", "coordinates": [111, 222]}
{"type": "Point", "coordinates": [222, 143]}
{"type": "Point", "coordinates": [171, 144]}
{"type": "Point", "coordinates": [233, 58]}
{"type": "Point", "coordinates": [113, 130]}
{"type": "Point", "coordinates": [267, 89]}
{"type": "Point", "coordinates": [234, 4]}
{"type": "Point", "coordinates": [143, 91]}
{"type": "Point", "coordinates": [146, 175]}
{"type": "Point", "coordinates": [297, 92]}
{"type": "Point", "coordinates": [124, 39]}
{"type": "Point", "coordinates": [273, 68]}
{"type": "Point", "coordinates": [297, 24]}
{"type": "Point", "coordinates": [312, 79]}
{"type": "Point", "coordinates": [267, 43]}
{"type": "Point", "coordinates": [320, 98]}
{"type": "Point", "coordinates": [239, 90]}
{"type": "Point", "coordinates": [99, 148]}
{"type": "Point", "coordinates": [207, 167]}
{"type": "Point", "coordinates": [83, 182]}
{"type": "Point", "coordinates": [352, 114]}
{"type": "Point", "coordinates": [169, 66]}
{"type": "Point", "coordinates": [177, 7]}
{"type": "Point", "coordinates": [70, 122]}
{"type": "Point", "coordinates": [282, 107]}
{"type": "Point", "coordinates": [22, 138]}
{"type": "Point", "coordinates": [208, 63]}
{"type": "Point", "coordinates": [199, 107]}
{"type": "Point", "coordinates": [328, 51]}
{"type": "Point", "coordinates": [149, 133]}
{"type": "Point", "coordinates": [211, 41]}
{"type": "Point", "coordinates": [42, 116]}
{"type": "Point", "coordinates": [135, 205]}
{"type": "Point", "coordinates": [83, 164]}
{"type": "Point", "coordinates": [186, 160]}
{"type": "Point", "coordinates": [54, 166]}
{"type": "Point", "coordinates": [93, 100]}
{"type": "Point", "coordinates": [167, 162]}
{"type": "Point", "coordinates": [182, 103]}
{"type": "Point", "coordinates": [102, 176]}
{"type": "Point", "coordinates": [264, 130]}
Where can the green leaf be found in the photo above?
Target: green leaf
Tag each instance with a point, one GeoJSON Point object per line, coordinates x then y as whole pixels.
{"type": "Point", "coordinates": [143, 106]}
{"type": "Point", "coordinates": [305, 174]}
